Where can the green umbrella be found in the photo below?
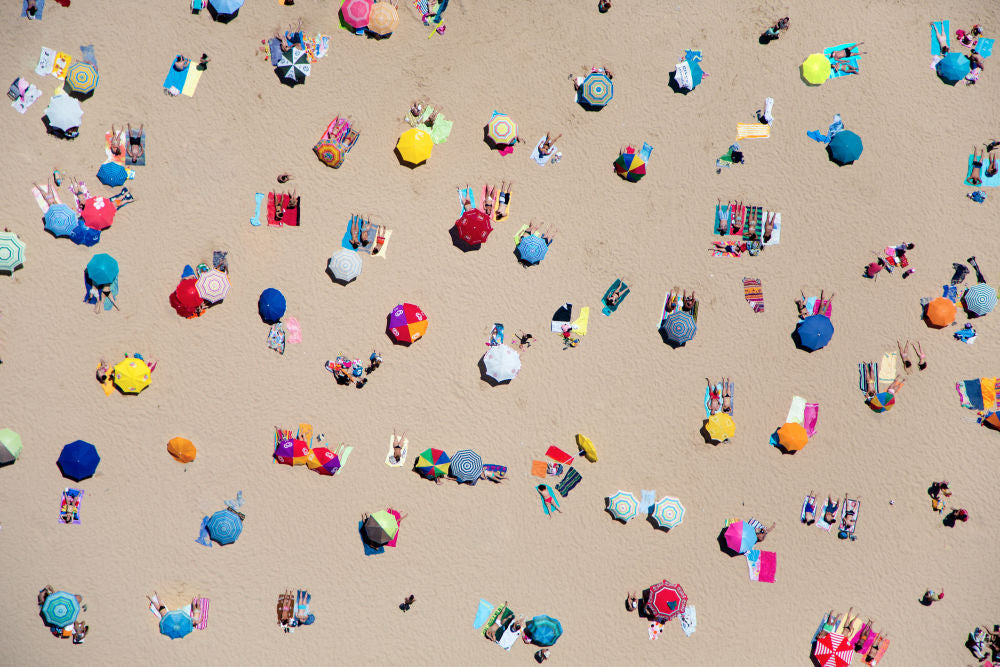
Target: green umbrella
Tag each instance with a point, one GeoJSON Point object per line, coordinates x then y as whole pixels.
{"type": "Point", "coordinates": [11, 252]}
{"type": "Point", "coordinates": [380, 528]}
{"type": "Point", "coordinates": [10, 446]}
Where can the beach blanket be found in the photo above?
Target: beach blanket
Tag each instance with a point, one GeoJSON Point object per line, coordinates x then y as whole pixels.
{"type": "Point", "coordinates": [580, 323]}
{"type": "Point", "coordinates": [363, 226]}
{"type": "Point", "coordinates": [647, 501]}
{"type": "Point", "coordinates": [762, 565]}
{"type": "Point", "coordinates": [688, 620]}
{"type": "Point", "coordinates": [804, 414]}
{"type": "Point", "coordinates": [886, 368]}
{"type": "Point", "coordinates": [708, 398]}
{"type": "Point", "coordinates": [752, 131]}
{"type": "Point", "coordinates": [984, 47]}
{"type": "Point", "coordinates": [655, 628]}
{"type": "Point", "coordinates": [853, 60]}
{"type": "Point", "coordinates": [978, 394]}
{"type": "Point", "coordinates": [399, 519]}
{"type": "Point", "coordinates": [820, 521]}
{"type": "Point", "coordinates": [203, 620]}
{"type": "Point", "coordinates": [343, 452]}
{"type": "Point", "coordinates": [30, 96]}
{"type": "Point", "coordinates": [175, 80]}
{"type": "Point", "coordinates": [725, 223]}
{"type": "Point", "coordinates": [562, 316]}
{"type": "Point", "coordinates": [988, 181]}
{"type": "Point", "coordinates": [123, 141]}
{"type": "Point", "coordinates": [141, 161]}
{"type": "Point", "coordinates": [191, 82]}
{"type": "Point", "coordinates": [537, 156]}
{"type": "Point", "coordinates": [293, 330]}
{"type": "Point", "coordinates": [369, 550]}
{"type": "Point", "coordinates": [390, 461]}
{"type": "Point", "coordinates": [495, 467]}
{"type": "Point", "coordinates": [60, 65]}
{"type": "Point", "coordinates": [203, 539]}
{"type": "Point", "coordinates": [46, 59]}
{"type": "Point", "coordinates": [849, 504]}
{"type": "Point", "coordinates": [625, 291]}
{"type": "Point", "coordinates": [753, 292]}
{"type": "Point", "coordinates": [836, 126]}
{"type": "Point", "coordinates": [569, 482]}
{"type": "Point", "coordinates": [508, 638]}
{"type": "Point", "coordinates": [38, 192]}
{"type": "Point", "coordinates": [70, 501]}
{"type": "Point", "coordinates": [559, 455]}
{"type": "Point", "coordinates": [942, 26]}
{"type": "Point", "coordinates": [291, 216]}
{"type": "Point", "coordinates": [482, 614]}
{"type": "Point", "coordinates": [538, 468]}
{"type": "Point", "coordinates": [39, 9]}
{"type": "Point", "coordinates": [439, 131]}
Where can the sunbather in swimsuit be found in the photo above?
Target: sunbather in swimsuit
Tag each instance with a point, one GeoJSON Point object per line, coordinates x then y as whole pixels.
{"type": "Point", "coordinates": [379, 238]}
{"type": "Point", "coordinates": [977, 165]}
{"type": "Point", "coordinates": [830, 511]}
{"type": "Point", "coordinates": [991, 170]}
{"type": "Point", "coordinates": [849, 52]}
{"type": "Point", "coordinates": [714, 398]}
{"type": "Point", "coordinates": [809, 516]}
{"type": "Point", "coordinates": [491, 192]}
{"type": "Point", "coordinates": [135, 149]}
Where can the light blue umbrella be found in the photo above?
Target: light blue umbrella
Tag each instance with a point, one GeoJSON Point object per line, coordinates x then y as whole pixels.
{"type": "Point", "coordinates": [224, 526]}
{"type": "Point", "coordinates": [60, 220]}
{"type": "Point", "coordinates": [679, 327]}
{"type": "Point", "coordinates": [980, 299]}
{"type": "Point", "coordinates": [224, 11]}
{"type": "Point", "coordinates": [60, 609]}
{"type": "Point", "coordinates": [814, 332]}
{"type": "Point", "coordinates": [112, 174]}
{"type": "Point", "coordinates": [845, 147]}
{"type": "Point", "coordinates": [176, 624]}
{"type": "Point", "coordinates": [623, 506]}
{"type": "Point", "coordinates": [102, 269]}
{"type": "Point", "coordinates": [668, 512]}
{"type": "Point", "coordinates": [953, 67]}
{"type": "Point", "coordinates": [532, 249]}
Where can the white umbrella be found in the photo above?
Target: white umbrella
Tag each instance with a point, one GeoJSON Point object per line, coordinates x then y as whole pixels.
{"type": "Point", "coordinates": [502, 363]}
{"type": "Point", "coordinates": [345, 265]}
{"type": "Point", "coordinates": [64, 112]}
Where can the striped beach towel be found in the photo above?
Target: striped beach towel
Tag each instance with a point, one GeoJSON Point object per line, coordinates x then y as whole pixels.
{"type": "Point", "coordinates": [569, 482]}
{"type": "Point", "coordinates": [753, 292]}
{"type": "Point", "coordinates": [203, 621]}
{"type": "Point", "coordinates": [752, 131]}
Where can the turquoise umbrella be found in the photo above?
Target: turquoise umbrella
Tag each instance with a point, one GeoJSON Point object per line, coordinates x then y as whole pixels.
{"type": "Point", "coordinates": [543, 630]}
{"type": "Point", "coordinates": [176, 624]}
{"type": "Point", "coordinates": [60, 609]}
{"type": "Point", "coordinates": [102, 269]}
{"type": "Point", "coordinates": [953, 67]}
{"type": "Point", "coordinates": [845, 147]}
{"type": "Point", "coordinates": [11, 252]}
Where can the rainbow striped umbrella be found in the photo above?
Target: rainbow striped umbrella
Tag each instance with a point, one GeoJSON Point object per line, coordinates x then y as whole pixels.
{"type": "Point", "coordinates": [882, 401]}
{"type": "Point", "coordinates": [432, 463]}
{"type": "Point", "coordinates": [356, 12]}
{"type": "Point", "coordinates": [597, 90]}
{"type": "Point", "coordinates": [623, 506]}
{"type": "Point", "coordinates": [502, 129]}
{"type": "Point", "coordinates": [81, 78]}
{"type": "Point", "coordinates": [630, 166]}
{"type": "Point", "coordinates": [668, 512]}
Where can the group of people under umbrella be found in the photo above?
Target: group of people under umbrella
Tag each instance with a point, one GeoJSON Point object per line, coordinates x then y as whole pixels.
{"type": "Point", "coordinates": [92, 215]}
{"type": "Point", "coordinates": [61, 613]}
{"type": "Point", "coordinates": [464, 466]}
{"type": "Point", "coordinates": [202, 287]}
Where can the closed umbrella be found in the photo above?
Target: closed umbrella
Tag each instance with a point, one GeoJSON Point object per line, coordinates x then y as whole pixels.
{"type": "Point", "coordinates": [679, 327]}
{"type": "Point", "coordinates": [466, 465]}
{"type": "Point", "coordinates": [845, 147]}
{"type": "Point", "coordinates": [60, 220]}
{"type": "Point", "coordinates": [792, 436]}
{"type": "Point", "coordinates": [323, 461]}
{"type": "Point", "coordinates": [980, 299]}
{"type": "Point", "coordinates": [383, 18]}
{"type": "Point", "coordinates": [407, 323]}
{"type": "Point", "coordinates": [597, 90]}
{"type": "Point", "coordinates": [345, 265]}
{"type": "Point", "coordinates": [543, 630]}
{"type": "Point", "coordinates": [60, 609]}
{"type": "Point", "coordinates": [833, 650]}
{"type": "Point", "coordinates": [953, 67]}
{"type": "Point", "coordinates": [720, 427]}
{"type": "Point", "coordinates": [414, 146]}
{"type": "Point", "coordinates": [293, 66]}
{"type": "Point", "coordinates": [882, 401]}
{"type": "Point", "coordinates": [940, 312]}
{"type": "Point", "coordinates": [78, 460]}
{"type": "Point", "coordinates": [224, 11]}
{"type": "Point", "coordinates": [474, 226]}
{"type": "Point", "coordinates": [81, 78]}
{"type": "Point", "coordinates": [185, 298]}
{"type": "Point", "coordinates": [176, 624]}
{"type": "Point", "coordinates": [98, 213]}
{"type": "Point", "coordinates": [182, 449]}
{"type": "Point", "coordinates": [292, 452]}
{"type": "Point", "coordinates": [502, 363]}
{"type": "Point", "coordinates": [356, 12]}
{"type": "Point", "coordinates": [132, 375]}
{"type": "Point", "coordinates": [814, 332]}
{"type": "Point", "coordinates": [623, 506]}
{"type": "Point", "coordinates": [379, 528]}
{"type": "Point", "coordinates": [213, 286]}
{"type": "Point", "coordinates": [224, 526]}
{"type": "Point", "coordinates": [11, 252]}
{"type": "Point", "coordinates": [532, 249]}
{"type": "Point", "coordinates": [64, 112]}
{"type": "Point", "coordinates": [666, 601]}
{"type": "Point", "coordinates": [668, 512]}
{"type": "Point", "coordinates": [432, 463]}
{"type": "Point", "coordinates": [112, 174]}
{"type": "Point", "coordinates": [271, 305]}
{"type": "Point", "coordinates": [502, 129]}
{"type": "Point", "coordinates": [102, 269]}
{"type": "Point", "coordinates": [10, 446]}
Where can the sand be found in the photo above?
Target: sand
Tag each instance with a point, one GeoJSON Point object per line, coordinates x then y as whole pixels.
{"type": "Point", "coordinates": [639, 400]}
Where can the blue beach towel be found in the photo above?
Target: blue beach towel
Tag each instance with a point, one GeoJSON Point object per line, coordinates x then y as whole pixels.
{"type": "Point", "coordinates": [174, 78]}
{"type": "Point", "coordinates": [647, 501]}
{"type": "Point", "coordinates": [646, 151]}
{"type": "Point", "coordinates": [935, 47]}
{"type": "Point", "coordinates": [950, 292]}
{"type": "Point", "coordinates": [114, 292]}
{"type": "Point", "coordinates": [988, 181]}
{"type": "Point", "coordinates": [708, 396]}
{"type": "Point", "coordinates": [88, 55]}
{"type": "Point", "coordinates": [984, 47]}
{"type": "Point", "coordinates": [39, 6]}
{"type": "Point", "coordinates": [466, 193]}
{"type": "Point", "coordinates": [203, 537]}
{"type": "Point", "coordinates": [836, 126]}
{"type": "Point", "coordinates": [692, 56]}
{"type": "Point", "coordinates": [483, 614]}
{"type": "Point", "coordinates": [853, 60]}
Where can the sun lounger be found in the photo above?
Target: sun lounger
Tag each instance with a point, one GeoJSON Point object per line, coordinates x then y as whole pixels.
{"type": "Point", "coordinates": [389, 460]}
{"type": "Point", "coordinates": [849, 505]}
{"type": "Point", "coordinates": [569, 482]}
{"type": "Point", "coordinates": [70, 503]}
{"type": "Point", "coordinates": [611, 308]}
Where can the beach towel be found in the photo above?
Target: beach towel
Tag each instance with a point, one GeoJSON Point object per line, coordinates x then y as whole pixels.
{"type": "Point", "coordinates": [276, 338]}
{"type": "Point", "coordinates": [820, 520]}
{"type": "Point", "coordinates": [942, 26]}
{"type": "Point", "coordinates": [293, 330]}
{"type": "Point", "coordinates": [39, 8]}
{"type": "Point", "coordinates": [29, 97]}
{"type": "Point", "coordinates": [141, 161]}
{"type": "Point", "coordinates": [753, 292]}
{"type": "Point", "coordinates": [545, 505]}
{"type": "Point", "coordinates": [808, 503]}
{"type": "Point", "coordinates": [762, 565]}
{"type": "Point", "coordinates": [59, 67]}
{"type": "Point", "coordinates": [390, 461]}
{"type": "Point", "coordinates": [71, 499]}
{"type": "Point", "coordinates": [203, 620]}
{"type": "Point", "coordinates": [495, 467]}
{"type": "Point", "coordinates": [193, 77]}
{"type": "Point", "coordinates": [503, 203]}
{"type": "Point", "coordinates": [482, 614]}
{"type": "Point", "coordinates": [708, 398]}
{"type": "Point", "coordinates": [767, 116]}
{"type": "Point", "coordinates": [655, 628]}
{"type": "Point", "coordinates": [580, 323]}
{"type": "Point", "coordinates": [175, 80]}
{"type": "Point", "coordinates": [538, 468]}
{"type": "Point", "coordinates": [886, 369]}
{"type": "Point", "coordinates": [970, 394]}
{"type": "Point", "coordinates": [608, 309]}
{"type": "Point", "coordinates": [123, 141]}
{"type": "Point", "coordinates": [508, 638]}
{"type": "Point", "coordinates": [343, 452]}
{"type": "Point", "coordinates": [40, 200]}
{"type": "Point", "coordinates": [849, 504]}
{"type": "Point", "coordinates": [291, 216]}
{"type": "Point", "coordinates": [399, 519]}
{"type": "Point", "coordinates": [752, 131]}
{"type": "Point", "coordinates": [558, 455]}
{"type": "Point", "coordinates": [203, 539]}
{"type": "Point", "coordinates": [884, 646]}
{"type": "Point", "coordinates": [563, 315]}
{"type": "Point", "coordinates": [386, 235]}
{"type": "Point", "coordinates": [950, 292]}
{"type": "Point", "coordinates": [491, 619]}
{"type": "Point", "coordinates": [853, 60]}
{"type": "Point", "coordinates": [809, 418]}
{"type": "Point", "coordinates": [88, 56]}
{"type": "Point", "coordinates": [836, 126]}
{"type": "Point", "coordinates": [46, 59]}
{"type": "Point", "coordinates": [441, 128]}
{"type": "Point", "coordinates": [688, 620]}
{"type": "Point", "coordinates": [647, 501]}
{"type": "Point", "coordinates": [537, 156]}
{"type": "Point", "coordinates": [569, 482]}
{"type": "Point", "coordinates": [369, 550]}
{"type": "Point", "coordinates": [463, 194]}
{"type": "Point", "coordinates": [984, 47]}
{"type": "Point", "coordinates": [988, 181]}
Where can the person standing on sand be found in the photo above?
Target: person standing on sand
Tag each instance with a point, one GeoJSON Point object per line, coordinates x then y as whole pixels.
{"type": "Point", "coordinates": [930, 597]}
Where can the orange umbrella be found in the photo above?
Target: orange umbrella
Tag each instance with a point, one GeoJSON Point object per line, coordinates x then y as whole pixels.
{"type": "Point", "coordinates": [792, 437]}
{"type": "Point", "coordinates": [182, 449]}
{"type": "Point", "coordinates": [940, 312]}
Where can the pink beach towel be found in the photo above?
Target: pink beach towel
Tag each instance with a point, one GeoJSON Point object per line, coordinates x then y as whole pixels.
{"type": "Point", "coordinates": [203, 621]}
{"type": "Point", "coordinates": [810, 417]}
{"type": "Point", "coordinates": [392, 542]}
{"type": "Point", "coordinates": [768, 566]}
{"type": "Point", "coordinates": [293, 330]}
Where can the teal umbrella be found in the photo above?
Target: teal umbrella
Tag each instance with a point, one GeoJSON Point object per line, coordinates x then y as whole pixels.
{"type": "Point", "coordinates": [102, 269]}
{"type": "Point", "coordinates": [60, 609]}
{"type": "Point", "coordinates": [11, 252]}
{"type": "Point", "coordinates": [953, 67]}
{"type": "Point", "coordinates": [176, 624]}
{"type": "Point", "coordinates": [543, 630]}
{"type": "Point", "coordinates": [845, 147]}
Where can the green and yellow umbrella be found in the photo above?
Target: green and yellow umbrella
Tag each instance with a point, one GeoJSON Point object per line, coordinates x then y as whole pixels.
{"type": "Point", "coordinates": [816, 69]}
{"type": "Point", "coordinates": [380, 528]}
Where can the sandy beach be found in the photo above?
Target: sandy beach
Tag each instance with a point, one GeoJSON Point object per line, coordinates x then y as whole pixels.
{"type": "Point", "coordinates": [639, 400]}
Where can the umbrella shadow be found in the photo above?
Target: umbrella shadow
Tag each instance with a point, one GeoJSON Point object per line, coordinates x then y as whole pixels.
{"type": "Point", "coordinates": [461, 243]}
{"type": "Point", "coordinates": [221, 18]}
{"type": "Point", "coordinates": [337, 280]}
{"type": "Point", "coordinates": [607, 508]}
{"type": "Point", "coordinates": [672, 343]}
{"type": "Point", "coordinates": [703, 432]}
{"type": "Point", "coordinates": [291, 83]}
{"type": "Point", "coordinates": [485, 377]}
{"type": "Point", "coordinates": [652, 522]}
{"type": "Point", "coordinates": [797, 341]}
{"type": "Point", "coordinates": [674, 86]}
{"type": "Point", "coordinates": [402, 161]}
{"type": "Point", "coordinates": [587, 106]}
{"type": "Point", "coordinates": [725, 547]}
{"type": "Point", "coordinates": [489, 141]}
{"type": "Point", "coordinates": [70, 134]}
{"type": "Point", "coordinates": [77, 95]}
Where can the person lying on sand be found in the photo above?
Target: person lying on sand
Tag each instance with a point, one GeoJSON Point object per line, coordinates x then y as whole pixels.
{"type": "Point", "coordinates": [631, 602]}
{"type": "Point", "coordinates": [523, 340]}
{"type": "Point", "coordinates": [975, 178]}
{"type": "Point", "coordinates": [774, 31]}
{"type": "Point", "coordinates": [503, 210]}
{"type": "Point", "coordinates": [532, 228]}
{"type": "Point", "coordinates": [80, 631]}
{"type": "Point", "coordinates": [896, 385]}
{"type": "Point", "coordinates": [397, 445]}
{"type": "Point", "coordinates": [603, 6]}
{"type": "Point", "coordinates": [849, 52]}
{"type": "Point", "coordinates": [491, 192]}
{"type": "Point", "coordinates": [547, 235]}
{"type": "Point", "coordinates": [44, 593]}
{"type": "Point", "coordinates": [903, 356]}
{"type": "Point", "coordinates": [830, 510]}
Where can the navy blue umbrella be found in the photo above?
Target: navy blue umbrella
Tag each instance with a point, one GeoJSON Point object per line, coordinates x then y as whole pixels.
{"type": "Point", "coordinates": [845, 147]}
{"type": "Point", "coordinates": [112, 174]}
{"type": "Point", "coordinates": [271, 305]}
{"type": "Point", "coordinates": [814, 332]}
{"type": "Point", "coordinates": [78, 460]}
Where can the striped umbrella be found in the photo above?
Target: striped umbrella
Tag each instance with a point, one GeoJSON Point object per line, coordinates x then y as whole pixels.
{"type": "Point", "coordinates": [474, 226]}
{"type": "Point", "coordinates": [980, 298]}
{"type": "Point", "coordinates": [132, 375]}
{"type": "Point", "coordinates": [176, 624]}
{"type": "Point", "coordinates": [345, 265]}
{"type": "Point", "coordinates": [623, 506]}
{"type": "Point", "coordinates": [833, 650]}
{"type": "Point", "coordinates": [213, 286]}
{"type": "Point", "coordinates": [466, 465]}
{"type": "Point", "coordinates": [11, 252]}
{"type": "Point", "coordinates": [60, 609]}
{"type": "Point", "coordinates": [666, 600]}
{"type": "Point", "coordinates": [383, 18]}
{"type": "Point", "coordinates": [532, 249]}
{"type": "Point", "coordinates": [102, 269]}
{"type": "Point", "coordinates": [10, 446]}
{"type": "Point", "coordinates": [81, 78]}
{"type": "Point", "coordinates": [112, 174]}
{"type": "Point", "coordinates": [329, 153]}
{"type": "Point", "coordinates": [60, 220]}
{"type": "Point", "coordinates": [597, 90]}
{"type": "Point", "coordinates": [679, 327]}
{"type": "Point", "coordinates": [668, 512]}
{"type": "Point", "coordinates": [224, 526]}
{"type": "Point", "coordinates": [64, 112]}
{"type": "Point", "coordinates": [323, 461]}
{"type": "Point", "coordinates": [502, 363]}
{"type": "Point", "coordinates": [356, 12]}
{"type": "Point", "coordinates": [380, 527]}
{"type": "Point", "coordinates": [502, 129]}
{"type": "Point", "coordinates": [432, 463]}
{"type": "Point", "coordinates": [293, 66]}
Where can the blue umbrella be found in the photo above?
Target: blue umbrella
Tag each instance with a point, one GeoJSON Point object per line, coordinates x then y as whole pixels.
{"type": "Point", "coordinates": [112, 174]}
{"type": "Point", "coordinates": [953, 67]}
{"type": "Point", "coordinates": [980, 299]}
{"type": "Point", "coordinates": [176, 624]}
{"type": "Point", "coordinates": [845, 147]}
{"type": "Point", "coordinates": [543, 630]}
{"type": "Point", "coordinates": [679, 327]}
{"type": "Point", "coordinates": [224, 526]}
{"type": "Point", "coordinates": [102, 269]}
{"type": "Point", "coordinates": [60, 220]}
{"type": "Point", "coordinates": [814, 332]}
{"type": "Point", "coordinates": [78, 460]}
{"type": "Point", "coordinates": [84, 235]}
{"type": "Point", "coordinates": [224, 10]}
{"type": "Point", "coordinates": [271, 305]}
{"type": "Point", "coordinates": [532, 249]}
{"type": "Point", "coordinates": [60, 609]}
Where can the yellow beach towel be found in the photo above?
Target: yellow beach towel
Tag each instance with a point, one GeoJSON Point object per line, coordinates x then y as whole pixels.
{"type": "Point", "coordinates": [989, 389]}
{"type": "Point", "coordinates": [306, 433]}
{"type": "Point", "coordinates": [61, 64]}
{"type": "Point", "coordinates": [580, 323]}
{"type": "Point", "coordinates": [752, 131]}
{"type": "Point", "coordinates": [191, 82]}
{"type": "Point", "coordinates": [887, 368]}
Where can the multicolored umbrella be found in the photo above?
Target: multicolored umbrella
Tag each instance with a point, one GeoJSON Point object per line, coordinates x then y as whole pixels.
{"type": "Point", "coordinates": [224, 11]}
{"type": "Point", "coordinates": [792, 436]}
{"type": "Point", "coordinates": [666, 601]}
{"type": "Point", "coordinates": [271, 305]}
{"type": "Point", "coordinates": [466, 465]}
{"type": "Point", "coordinates": [980, 299]}
{"type": "Point", "coordinates": [60, 609]}
{"type": "Point", "coordinates": [383, 18]}
{"type": "Point", "coordinates": [102, 269]}
{"type": "Point", "coordinates": [740, 537]}
{"type": "Point", "coordinates": [407, 323]}
{"type": "Point", "coordinates": [845, 147]}
{"type": "Point", "coordinates": [64, 112]}
{"type": "Point", "coordinates": [292, 452]}
{"type": "Point", "coordinates": [182, 449]}
{"type": "Point", "coordinates": [597, 90]}
{"type": "Point", "coordinates": [532, 249]}
{"type": "Point", "coordinates": [323, 461]}
{"type": "Point", "coordinates": [432, 463]}
{"type": "Point", "coordinates": [11, 252]}
{"type": "Point", "coordinates": [112, 174]}
{"type": "Point", "coordinates": [940, 312]}
{"type": "Point", "coordinates": [225, 526]}
{"type": "Point", "coordinates": [414, 146]}
{"type": "Point", "coordinates": [816, 69]}
{"type": "Point", "coordinates": [345, 265]}
{"type": "Point", "coordinates": [474, 226]}
{"type": "Point", "coordinates": [60, 220]}
{"type": "Point", "coordinates": [356, 12]}
{"type": "Point", "coordinates": [630, 166]}
{"type": "Point", "coordinates": [882, 401]}
{"type": "Point", "coordinates": [668, 512]}
{"type": "Point", "coordinates": [502, 129]}
{"type": "Point", "coordinates": [185, 298]}
{"type": "Point", "coordinates": [720, 427]}
{"type": "Point", "coordinates": [379, 528]}
{"type": "Point", "coordinates": [176, 624]}
{"type": "Point", "coordinates": [623, 506]}
{"type": "Point", "coordinates": [213, 286]}
{"type": "Point", "coordinates": [132, 375]}
{"type": "Point", "coordinates": [98, 213]}
{"type": "Point", "coordinates": [679, 327]}
{"type": "Point", "coordinates": [10, 446]}
{"type": "Point", "coordinates": [814, 332]}
{"type": "Point", "coordinates": [502, 363]}
{"type": "Point", "coordinates": [81, 78]}
{"type": "Point", "coordinates": [953, 67]}
{"type": "Point", "coordinates": [329, 153]}
{"type": "Point", "coordinates": [78, 460]}
{"type": "Point", "coordinates": [293, 66]}
{"type": "Point", "coordinates": [833, 650]}
{"type": "Point", "coordinates": [543, 630]}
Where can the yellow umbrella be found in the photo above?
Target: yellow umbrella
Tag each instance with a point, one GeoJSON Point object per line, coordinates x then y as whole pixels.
{"type": "Point", "coordinates": [587, 447]}
{"type": "Point", "coordinates": [383, 18]}
{"type": "Point", "coordinates": [132, 375]}
{"type": "Point", "coordinates": [720, 427]}
{"type": "Point", "coordinates": [816, 69]}
{"type": "Point", "coordinates": [414, 146]}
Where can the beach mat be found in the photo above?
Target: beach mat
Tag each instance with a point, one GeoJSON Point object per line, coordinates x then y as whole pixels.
{"type": "Point", "coordinates": [30, 96]}
{"type": "Point", "coordinates": [88, 56]}
{"type": "Point", "coordinates": [536, 155]}
{"type": "Point", "coordinates": [538, 468]}
{"type": "Point", "coordinates": [647, 501]}
{"type": "Point", "coordinates": [175, 80]}
{"type": "Point", "coordinates": [345, 241]}
{"type": "Point", "coordinates": [853, 60]}
{"type": "Point", "coordinates": [753, 292]}
{"type": "Point", "coordinates": [984, 47]}
{"type": "Point", "coordinates": [569, 482]}
{"type": "Point", "coordinates": [399, 519]}
{"type": "Point", "coordinates": [191, 83]}
{"type": "Point", "coordinates": [291, 216]}
{"type": "Point", "coordinates": [39, 8]}
{"type": "Point", "coordinates": [74, 496]}
{"type": "Point", "coordinates": [141, 162]}
{"type": "Point", "coordinates": [752, 131]}
{"type": "Point", "coordinates": [203, 621]}
{"type": "Point", "coordinates": [491, 619]}
{"type": "Point", "coordinates": [558, 455]}
{"type": "Point", "coordinates": [988, 181]}
{"type": "Point", "coordinates": [482, 614]}
{"type": "Point", "coordinates": [887, 369]}
{"type": "Point", "coordinates": [762, 565]}
{"type": "Point", "coordinates": [935, 47]}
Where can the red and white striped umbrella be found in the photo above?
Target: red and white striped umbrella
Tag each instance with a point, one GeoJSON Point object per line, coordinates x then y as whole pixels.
{"type": "Point", "coordinates": [833, 650]}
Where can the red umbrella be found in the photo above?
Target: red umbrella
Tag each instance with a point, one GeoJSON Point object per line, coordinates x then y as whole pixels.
{"type": "Point", "coordinates": [98, 213]}
{"type": "Point", "coordinates": [474, 226]}
{"type": "Point", "coordinates": [185, 299]}
{"type": "Point", "coordinates": [666, 600]}
{"type": "Point", "coordinates": [833, 650]}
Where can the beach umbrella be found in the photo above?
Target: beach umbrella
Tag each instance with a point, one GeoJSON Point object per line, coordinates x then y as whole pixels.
{"type": "Point", "coordinates": [679, 327]}
{"type": "Point", "coordinates": [11, 251]}
{"type": "Point", "coordinates": [474, 226]}
{"type": "Point", "coordinates": [64, 112]}
{"type": "Point", "coordinates": [432, 463]}
{"type": "Point", "coordinates": [688, 74]}
{"type": "Point", "coordinates": [112, 174]}
{"type": "Point", "coordinates": [466, 465]}
{"type": "Point", "coordinates": [543, 630]}
{"type": "Point", "coordinates": [291, 452]}
{"type": "Point", "coordinates": [623, 506]}
{"type": "Point", "coordinates": [953, 67]}
{"type": "Point", "coordinates": [60, 220]}
{"type": "Point", "coordinates": [668, 512]}
{"type": "Point", "coordinates": [213, 286]}
{"type": "Point", "coordinates": [379, 528]}
{"type": "Point", "coordinates": [882, 401]}
{"type": "Point", "coordinates": [132, 375]}
{"type": "Point", "coordinates": [502, 363]}
{"type": "Point", "coordinates": [329, 153]}
{"type": "Point", "coordinates": [720, 427]}
{"type": "Point", "coordinates": [940, 312]}
{"type": "Point", "coordinates": [356, 12]}
{"type": "Point", "coordinates": [502, 129]}
{"type": "Point", "coordinates": [980, 298]}
{"type": "Point", "coordinates": [587, 448]}
{"type": "Point", "coordinates": [323, 461]}
{"type": "Point", "coordinates": [991, 419]}
{"type": "Point", "coordinates": [814, 332]}
{"type": "Point", "coordinates": [597, 90]}
{"type": "Point", "coordinates": [182, 449]}
{"type": "Point", "coordinates": [224, 526]}
{"type": "Point", "coordinates": [81, 78]}
{"type": "Point", "coordinates": [98, 213]}
{"type": "Point", "coordinates": [666, 600]}
{"type": "Point", "coordinates": [532, 249]}
{"type": "Point", "coordinates": [816, 69]}
{"type": "Point", "coordinates": [407, 323]}
{"type": "Point", "coordinates": [383, 18]}
{"type": "Point", "coordinates": [345, 265]}
{"type": "Point", "coordinates": [792, 436]}
{"type": "Point", "coordinates": [630, 166]}
{"type": "Point", "coordinates": [176, 624]}
{"type": "Point", "coordinates": [293, 66]}
{"type": "Point", "coordinates": [185, 298]}
{"type": "Point", "coordinates": [78, 460]}
{"type": "Point", "coordinates": [10, 446]}
{"type": "Point", "coordinates": [833, 650]}
{"type": "Point", "coordinates": [740, 537]}
{"type": "Point", "coordinates": [414, 146]}
{"type": "Point", "coordinates": [224, 11]}
{"type": "Point", "coordinates": [845, 147]}
{"type": "Point", "coordinates": [271, 305]}
{"type": "Point", "coordinates": [102, 269]}
{"type": "Point", "coordinates": [60, 609]}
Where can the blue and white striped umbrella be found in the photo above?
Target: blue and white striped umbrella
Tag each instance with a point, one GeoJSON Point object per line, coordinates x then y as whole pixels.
{"type": "Point", "coordinates": [60, 609]}
{"type": "Point", "coordinates": [60, 220]}
{"type": "Point", "coordinates": [668, 512]}
{"type": "Point", "coordinates": [345, 265]}
{"type": "Point", "coordinates": [466, 465]}
{"type": "Point", "coordinates": [532, 249]}
{"type": "Point", "coordinates": [980, 299]}
{"type": "Point", "coordinates": [224, 526]}
{"type": "Point", "coordinates": [623, 506]}
{"type": "Point", "coordinates": [679, 327]}
{"type": "Point", "coordinates": [112, 174]}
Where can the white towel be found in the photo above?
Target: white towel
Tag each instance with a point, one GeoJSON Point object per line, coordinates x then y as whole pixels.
{"type": "Point", "coordinates": [30, 96]}
{"type": "Point", "coordinates": [648, 500]}
{"type": "Point", "coordinates": [45, 61]}
{"type": "Point", "coordinates": [538, 157]}
{"type": "Point", "coordinates": [797, 411]}
{"type": "Point", "coordinates": [689, 620]}
{"type": "Point", "coordinates": [508, 638]}
{"type": "Point", "coordinates": [767, 116]}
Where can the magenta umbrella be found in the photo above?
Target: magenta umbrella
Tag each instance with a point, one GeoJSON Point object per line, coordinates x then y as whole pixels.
{"type": "Point", "coordinates": [356, 12]}
{"type": "Point", "coordinates": [740, 537]}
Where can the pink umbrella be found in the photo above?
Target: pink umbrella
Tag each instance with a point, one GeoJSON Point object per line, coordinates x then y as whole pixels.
{"type": "Point", "coordinates": [356, 12]}
{"type": "Point", "coordinates": [98, 213]}
{"type": "Point", "coordinates": [740, 537]}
